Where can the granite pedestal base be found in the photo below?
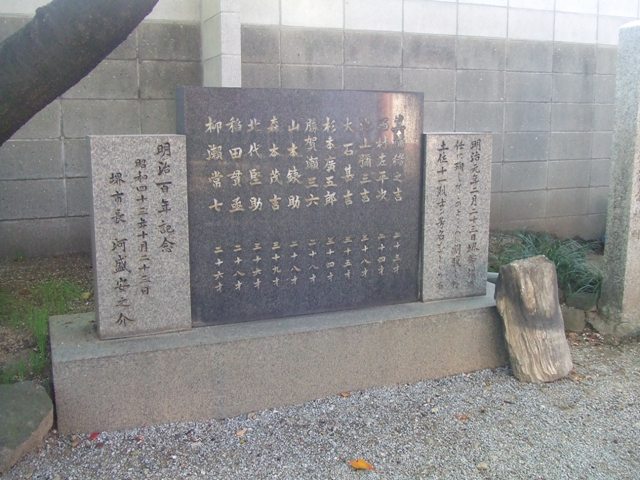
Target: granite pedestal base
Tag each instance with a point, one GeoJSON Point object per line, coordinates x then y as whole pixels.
{"type": "Point", "coordinates": [226, 370]}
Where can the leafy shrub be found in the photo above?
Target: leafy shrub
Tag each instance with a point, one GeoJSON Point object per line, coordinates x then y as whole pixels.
{"type": "Point", "coordinates": [575, 273]}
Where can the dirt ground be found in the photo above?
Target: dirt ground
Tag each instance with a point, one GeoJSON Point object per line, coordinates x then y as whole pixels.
{"type": "Point", "coordinates": [17, 279]}
{"type": "Point", "coordinates": [18, 276]}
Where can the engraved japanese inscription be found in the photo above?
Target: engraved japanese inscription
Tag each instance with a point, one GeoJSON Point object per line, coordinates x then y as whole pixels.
{"type": "Point", "coordinates": [140, 234]}
{"type": "Point", "coordinates": [300, 201]}
{"type": "Point", "coordinates": [457, 196]}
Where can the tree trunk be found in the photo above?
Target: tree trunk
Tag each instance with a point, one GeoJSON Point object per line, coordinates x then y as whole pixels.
{"type": "Point", "coordinates": [65, 40]}
{"type": "Point", "coordinates": [527, 299]}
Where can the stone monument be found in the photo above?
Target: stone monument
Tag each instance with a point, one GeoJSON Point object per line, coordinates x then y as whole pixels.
{"type": "Point", "coordinates": [620, 301]}
{"type": "Point", "coordinates": [298, 259]}
{"type": "Point", "coordinates": [456, 222]}
{"type": "Point", "coordinates": [300, 201]}
{"type": "Point", "coordinates": [140, 236]}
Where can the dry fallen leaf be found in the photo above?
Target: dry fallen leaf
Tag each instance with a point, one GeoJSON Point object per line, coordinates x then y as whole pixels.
{"type": "Point", "coordinates": [85, 295]}
{"type": "Point", "coordinates": [345, 394]}
{"type": "Point", "coordinates": [241, 432]}
{"type": "Point", "coordinates": [575, 376]}
{"type": "Point", "coordinates": [94, 436]}
{"type": "Point", "coordinates": [463, 417]}
{"type": "Point", "coordinates": [75, 441]}
{"type": "Point", "coordinates": [361, 464]}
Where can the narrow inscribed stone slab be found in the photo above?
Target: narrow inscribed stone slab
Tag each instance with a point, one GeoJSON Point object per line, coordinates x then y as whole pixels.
{"type": "Point", "coordinates": [456, 215]}
{"type": "Point", "coordinates": [620, 299]}
{"type": "Point", "coordinates": [140, 234]}
{"type": "Point", "coordinates": [301, 201]}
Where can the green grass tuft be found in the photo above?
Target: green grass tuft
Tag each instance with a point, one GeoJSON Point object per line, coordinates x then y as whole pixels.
{"type": "Point", "coordinates": [31, 312]}
{"type": "Point", "coordinates": [575, 273]}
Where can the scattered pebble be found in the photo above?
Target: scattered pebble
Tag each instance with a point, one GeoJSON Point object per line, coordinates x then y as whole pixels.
{"type": "Point", "coordinates": [510, 430]}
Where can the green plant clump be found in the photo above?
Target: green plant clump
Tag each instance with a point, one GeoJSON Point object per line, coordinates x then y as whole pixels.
{"type": "Point", "coordinates": [31, 312]}
{"type": "Point", "coordinates": [575, 274]}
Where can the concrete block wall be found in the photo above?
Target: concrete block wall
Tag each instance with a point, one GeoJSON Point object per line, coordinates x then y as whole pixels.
{"type": "Point", "coordinates": [538, 74]}
{"type": "Point", "coordinates": [45, 189]}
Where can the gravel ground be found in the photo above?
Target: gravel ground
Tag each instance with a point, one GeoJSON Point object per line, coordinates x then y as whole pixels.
{"type": "Point", "coordinates": [480, 425]}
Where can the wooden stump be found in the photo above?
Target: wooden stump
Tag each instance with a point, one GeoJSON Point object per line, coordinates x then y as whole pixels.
{"type": "Point", "coordinates": [527, 300]}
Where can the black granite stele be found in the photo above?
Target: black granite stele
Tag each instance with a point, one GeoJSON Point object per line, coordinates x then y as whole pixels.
{"type": "Point", "coordinates": [320, 211]}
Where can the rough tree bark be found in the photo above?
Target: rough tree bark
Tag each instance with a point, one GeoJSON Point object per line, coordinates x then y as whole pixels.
{"type": "Point", "coordinates": [65, 40]}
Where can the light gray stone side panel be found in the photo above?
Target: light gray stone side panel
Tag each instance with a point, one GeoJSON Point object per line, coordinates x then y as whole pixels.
{"type": "Point", "coordinates": [429, 51]}
{"type": "Point", "coordinates": [32, 159]}
{"type": "Point", "coordinates": [169, 41]}
{"type": "Point", "coordinates": [261, 44]}
{"type": "Point", "coordinates": [23, 199]}
{"type": "Point", "coordinates": [621, 288]}
{"type": "Point", "coordinates": [312, 46]}
{"type": "Point", "coordinates": [311, 76]}
{"type": "Point", "coordinates": [373, 49]}
{"type": "Point", "coordinates": [142, 282]}
{"type": "Point", "coordinates": [455, 219]}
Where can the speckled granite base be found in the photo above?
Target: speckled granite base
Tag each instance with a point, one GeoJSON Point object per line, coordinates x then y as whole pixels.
{"type": "Point", "coordinates": [225, 370]}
